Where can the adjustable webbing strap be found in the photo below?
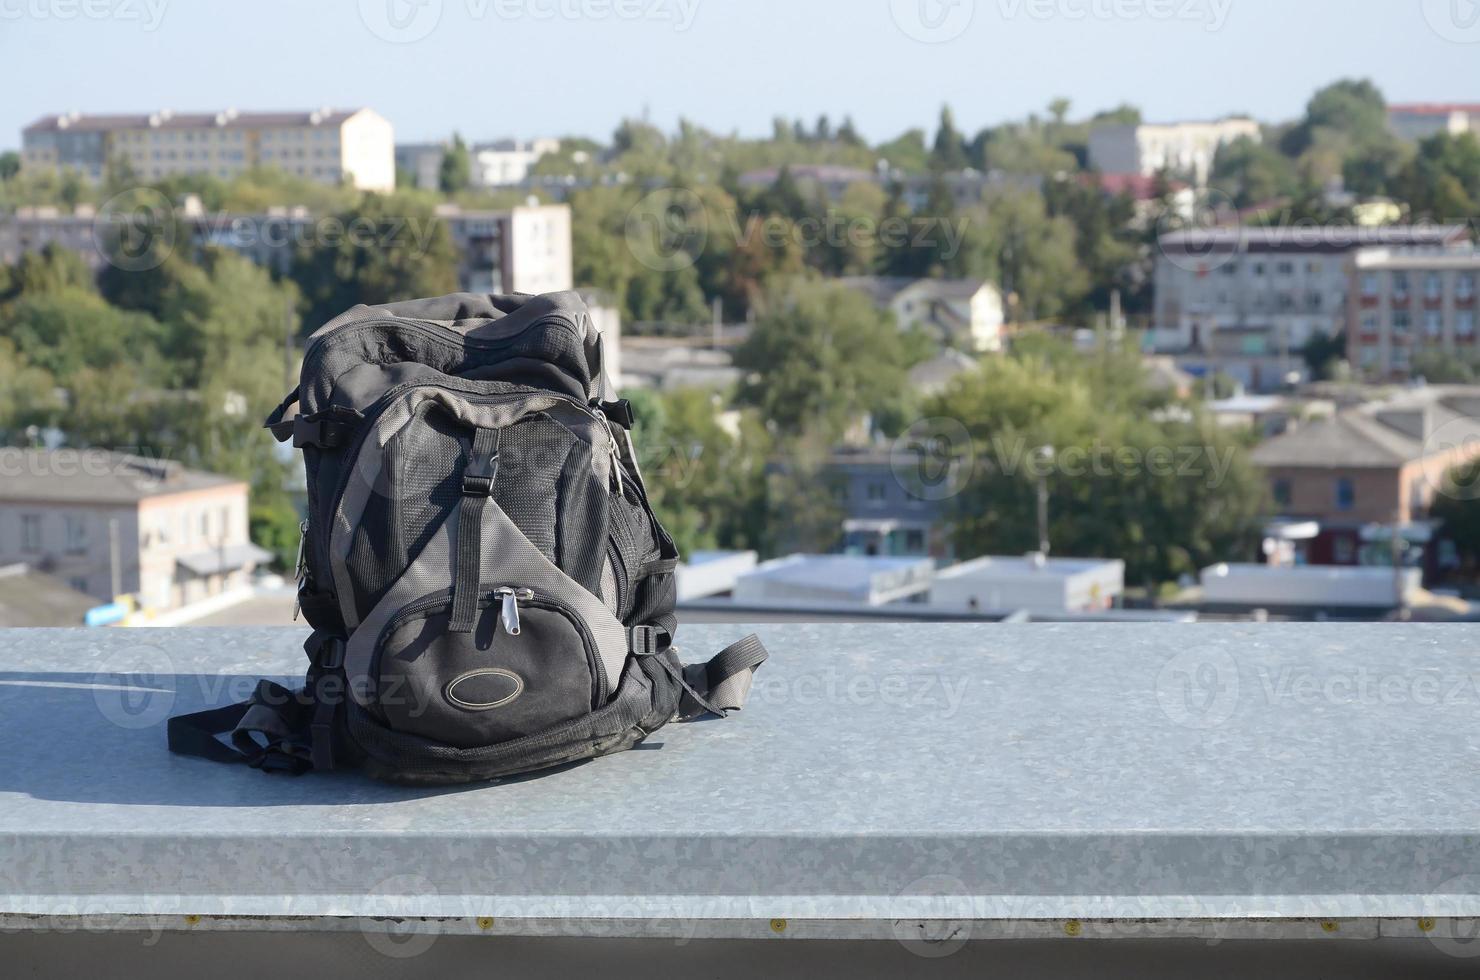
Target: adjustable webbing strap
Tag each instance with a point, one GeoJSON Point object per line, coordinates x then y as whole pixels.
{"type": "Point", "coordinates": [276, 729]}
{"type": "Point", "coordinates": [268, 731]}
{"type": "Point", "coordinates": [722, 684]}
{"type": "Point", "coordinates": [477, 487]}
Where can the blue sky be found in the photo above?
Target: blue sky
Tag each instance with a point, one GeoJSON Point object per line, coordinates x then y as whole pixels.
{"type": "Point", "coordinates": [493, 68]}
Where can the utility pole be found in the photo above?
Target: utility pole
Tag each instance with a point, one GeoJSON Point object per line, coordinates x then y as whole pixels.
{"type": "Point", "coordinates": [115, 563]}
{"type": "Point", "coordinates": [1045, 456]}
{"type": "Point", "coordinates": [288, 332]}
{"type": "Point", "coordinates": [1400, 595]}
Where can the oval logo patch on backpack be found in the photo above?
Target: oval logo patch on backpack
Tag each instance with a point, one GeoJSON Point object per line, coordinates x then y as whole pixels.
{"type": "Point", "coordinates": [481, 690]}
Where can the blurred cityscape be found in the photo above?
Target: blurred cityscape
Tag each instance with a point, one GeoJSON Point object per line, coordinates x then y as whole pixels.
{"type": "Point", "coordinates": [1069, 367]}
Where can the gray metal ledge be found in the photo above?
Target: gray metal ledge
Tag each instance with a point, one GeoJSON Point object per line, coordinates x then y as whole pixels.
{"type": "Point", "coordinates": [1081, 779]}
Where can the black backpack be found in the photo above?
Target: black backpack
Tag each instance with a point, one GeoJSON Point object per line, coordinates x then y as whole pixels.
{"type": "Point", "coordinates": [489, 590]}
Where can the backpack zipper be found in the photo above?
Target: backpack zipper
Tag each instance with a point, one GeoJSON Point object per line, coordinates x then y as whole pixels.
{"type": "Point", "coordinates": [510, 612]}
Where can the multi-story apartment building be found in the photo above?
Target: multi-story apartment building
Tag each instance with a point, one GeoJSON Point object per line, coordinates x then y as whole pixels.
{"type": "Point", "coordinates": [521, 250]}
{"type": "Point", "coordinates": [1421, 120]}
{"type": "Point", "coordinates": [1185, 149]}
{"type": "Point", "coordinates": [31, 229]}
{"type": "Point", "coordinates": [421, 163]}
{"type": "Point", "coordinates": [1274, 288]}
{"type": "Point", "coordinates": [108, 524]}
{"type": "Point", "coordinates": [325, 145]}
{"type": "Point", "coordinates": [1409, 301]}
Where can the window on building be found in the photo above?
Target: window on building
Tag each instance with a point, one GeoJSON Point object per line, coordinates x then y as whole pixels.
{"type": "Point", "coordinates": [1402, 323]}
{"type": "Point", "coordinates": [1258, 268]}
{"type": "Point", "coordinates": [1369, 323]}
{"type": "Point", "coordinates": [1346, 493]}
{"type": "Point", "coordinates": [1464, 286]}
{"type": "Point", "coordinates": [1369, 284]}
{"type": "Point", "coordinates": [1433, 286]}
{"type": "Point", "coordinates": [876, 491]}
{"type": "Point", "coordinates": [1400, 284]}
{"type": "Point", "coordinates": [1343, 551]}
{"type": "Point", "coordinates": [1464, 323]}
{"type": "Point", "coordinates": [76, 533]}
{"type": "Point", "coordinates": [1433, 324]}
{"type": "Point", "coordinates": [31, 533]}
{"type": "Point", "coordinates": [1281, 492]}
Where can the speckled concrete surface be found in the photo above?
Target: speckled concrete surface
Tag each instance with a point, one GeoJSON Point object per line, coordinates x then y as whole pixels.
{"type": "Point", "coordinates": [940, 771]}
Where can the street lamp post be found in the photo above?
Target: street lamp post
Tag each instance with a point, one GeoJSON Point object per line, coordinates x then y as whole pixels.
{"type": "Point", "coordinates": [1045, 456]}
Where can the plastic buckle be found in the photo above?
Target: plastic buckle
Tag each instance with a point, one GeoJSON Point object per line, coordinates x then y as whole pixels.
{"type": "Point", "coordinates": [643, 640]}
{"type": "Point", "coordinates": [475, 485]}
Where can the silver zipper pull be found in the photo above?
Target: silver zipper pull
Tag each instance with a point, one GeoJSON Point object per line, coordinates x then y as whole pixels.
{"type": "Point", "coordinates": [510, 610]}
{"type": "Point", "coordinates": [300, 571]}
{"type": "Point", "coordinates": [611, 449]}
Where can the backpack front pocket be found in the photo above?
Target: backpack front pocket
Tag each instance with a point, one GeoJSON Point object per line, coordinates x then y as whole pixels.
{"type": "Point", "coordinates": [528, 663]}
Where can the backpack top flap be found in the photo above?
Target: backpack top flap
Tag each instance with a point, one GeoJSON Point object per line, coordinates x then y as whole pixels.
{"type": "Point", "coordinates": [546, 341]}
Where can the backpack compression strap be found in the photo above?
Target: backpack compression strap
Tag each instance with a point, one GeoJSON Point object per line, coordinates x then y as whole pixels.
{"type": "Point", "coordinates": [276, 729]}
{"type": "Point", "coordinates": [720, 685]}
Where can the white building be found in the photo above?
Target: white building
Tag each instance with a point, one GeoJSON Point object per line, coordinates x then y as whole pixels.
{"type": "Point", "coordinates": [967, 313]}
{"type": "Point", "coordinates": [329, 146]}
{"type": "Point", "coordinates": [802, 580]}
{"type": "Point", "coordinates": [1411, 302]}
{"type": "Point", "coordinates": [506, 163]}
{"type": "Point", "coordinates": [1032, 582]}
{"type": "Point", "coordinates": [1185, 149]}
{"type": "Point", "coordinates": [712, 573]}
{"type": "Point", "coordinates": [521, 250]}
{"type": "Point", "coordinates": [1419, 121]}
{"type": "Point", "coordinates": [108, 524]}
{"type": "Point", "coordinates": [1308, 586]}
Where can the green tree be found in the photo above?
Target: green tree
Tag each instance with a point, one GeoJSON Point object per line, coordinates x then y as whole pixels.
{"type": "Point", "coordinates": [949, 151]}
{"type": "Point", "coordinates": [1442, 180]}
{"type": "Point", "coordinates": [1166, 496]}
{"type": "Point", "coordinates": [456, 172]}
{"type": "Point", "coordinates": [10, 164]}
{"type": "Point", "coordinates": [1251, 172]}
{"type": "Point", "coordinates": [389, 251]}
{"type": "Point", "coordinates": [705, 482]}
{"type": "Point", "coordinates": [51, 270]}
{"type": "Point", "coordinates": [819, 359]}
{"type": "Point", "coordinates": [1458, 508]}
{"type": "Point", "coordinates": [907, 152]}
